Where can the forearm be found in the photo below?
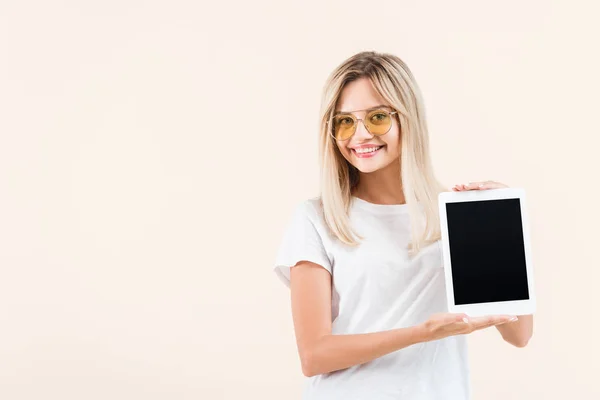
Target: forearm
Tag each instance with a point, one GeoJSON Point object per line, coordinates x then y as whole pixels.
{"type": "Point", "coordinates": [519, 332]}
{"type": "Point", "coordinates": [335, 352]}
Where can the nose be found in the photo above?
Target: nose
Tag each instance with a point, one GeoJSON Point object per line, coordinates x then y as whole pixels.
{"type": "Point", "coordinates": [361, 131]}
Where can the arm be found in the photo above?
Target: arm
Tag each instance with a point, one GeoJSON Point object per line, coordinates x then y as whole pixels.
{"type": "Point", "coordinates": [320, 351]}
{"type": "Point", "coordinates": [518, 332]}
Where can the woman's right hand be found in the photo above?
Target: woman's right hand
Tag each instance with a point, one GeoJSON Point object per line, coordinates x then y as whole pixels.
{"type": "Point", "coordinates": [441, 325]}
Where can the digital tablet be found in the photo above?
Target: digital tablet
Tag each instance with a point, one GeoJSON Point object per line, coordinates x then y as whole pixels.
{"type": "Point", "coordinates": [487, 252]}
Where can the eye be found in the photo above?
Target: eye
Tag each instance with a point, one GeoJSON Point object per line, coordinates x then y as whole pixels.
{"type": "Point", "coordinates": [344, 121]}
{"type": "Point", "coordinates": [378, 117]}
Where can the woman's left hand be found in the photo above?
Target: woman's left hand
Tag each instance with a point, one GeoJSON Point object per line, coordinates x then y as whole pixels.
{"type": "Point", "coordinates": [479, 186]}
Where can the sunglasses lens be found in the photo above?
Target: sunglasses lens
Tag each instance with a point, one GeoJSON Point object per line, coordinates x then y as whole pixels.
{"type": "Point", "coordinates": [343, 126]}
{"type": "Point", "coordinates": [378, 122]}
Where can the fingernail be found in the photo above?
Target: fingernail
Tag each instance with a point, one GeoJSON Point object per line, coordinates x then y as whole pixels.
{"type": "Point", "coordinates": [481, 185]}
{"type": "Point", "coordinates": [513, 319]}
{"type": "Point", "coordinates": [466, 321]}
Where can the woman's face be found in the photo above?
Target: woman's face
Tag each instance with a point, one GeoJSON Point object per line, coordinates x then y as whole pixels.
{"type": "Point", "coordinates": [357, 96]}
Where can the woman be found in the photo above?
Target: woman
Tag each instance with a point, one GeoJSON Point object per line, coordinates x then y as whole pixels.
{"type": "Point", "coordinates": [363, 260]}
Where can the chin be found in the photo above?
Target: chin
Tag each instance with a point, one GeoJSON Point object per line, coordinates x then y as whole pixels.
{"type": "Point", "coordinates": [366, 169]}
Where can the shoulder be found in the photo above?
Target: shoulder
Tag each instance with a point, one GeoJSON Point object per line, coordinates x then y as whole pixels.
{"type": "Point", "coordinates": [310, 208]}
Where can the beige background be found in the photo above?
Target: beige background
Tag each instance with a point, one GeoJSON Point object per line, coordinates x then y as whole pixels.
{"type": "Point", "coordinates": [151, 154]}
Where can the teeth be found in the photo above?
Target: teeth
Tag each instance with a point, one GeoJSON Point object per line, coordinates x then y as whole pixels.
{"type": "Point", "coordinates": [369, 150]}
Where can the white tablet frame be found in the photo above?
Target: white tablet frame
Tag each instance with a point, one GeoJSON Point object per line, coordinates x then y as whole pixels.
{"type": "Point", "coordinates": [517, 307]}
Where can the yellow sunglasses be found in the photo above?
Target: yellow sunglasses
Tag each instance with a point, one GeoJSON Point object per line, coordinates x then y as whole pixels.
{"type": "Point", "coordinates": [377, 122]}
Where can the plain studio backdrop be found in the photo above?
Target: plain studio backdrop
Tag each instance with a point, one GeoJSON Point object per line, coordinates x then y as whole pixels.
{"type": "Point", "coordinates": [151, 153]}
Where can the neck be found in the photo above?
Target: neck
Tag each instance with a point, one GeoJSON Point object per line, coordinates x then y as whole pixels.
{"type": "Point", "coordinates": [383, 186]}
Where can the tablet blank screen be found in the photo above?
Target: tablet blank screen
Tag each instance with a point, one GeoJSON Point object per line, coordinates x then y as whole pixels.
{"type": "Point", "coordinates": [487, 252]}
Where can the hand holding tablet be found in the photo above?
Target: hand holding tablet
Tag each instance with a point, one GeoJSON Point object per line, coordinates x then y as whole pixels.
{"type": "Point", "coordinates": [487, 252]}
{"type": "Point", "coordinates": [439, 326]}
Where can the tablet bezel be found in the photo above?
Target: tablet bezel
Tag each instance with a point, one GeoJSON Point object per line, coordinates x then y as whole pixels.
{"type": "Point", "coordinates": [515, 307]}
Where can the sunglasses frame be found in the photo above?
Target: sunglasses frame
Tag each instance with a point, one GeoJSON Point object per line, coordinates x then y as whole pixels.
{"type": "Point", "coordinates": [356, 120]}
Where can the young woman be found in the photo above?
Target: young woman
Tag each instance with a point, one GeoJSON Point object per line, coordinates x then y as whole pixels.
{"type": "Point", "coordinates": [363, 260]}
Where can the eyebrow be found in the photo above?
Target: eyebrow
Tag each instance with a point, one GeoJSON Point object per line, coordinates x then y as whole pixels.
{"type": "Point", "coordinates": [366, 109]}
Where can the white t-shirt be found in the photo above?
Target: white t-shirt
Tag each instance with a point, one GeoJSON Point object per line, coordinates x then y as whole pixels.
{"type": "Point", "coordinates": [376, 287]}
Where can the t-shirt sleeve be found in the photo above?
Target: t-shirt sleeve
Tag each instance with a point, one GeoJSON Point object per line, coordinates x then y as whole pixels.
{"type": "Point", "coordinates": [301, 241]}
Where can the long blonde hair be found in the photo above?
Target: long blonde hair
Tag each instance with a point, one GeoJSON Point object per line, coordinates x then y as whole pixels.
{"type": "Point", "coordinates": [393, 80]}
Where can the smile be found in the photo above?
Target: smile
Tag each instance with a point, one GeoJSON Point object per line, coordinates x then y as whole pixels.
{"type": "Point", "coordinates": [366, 152]}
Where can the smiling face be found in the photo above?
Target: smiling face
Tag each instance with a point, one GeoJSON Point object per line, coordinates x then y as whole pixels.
{"type": "Point", "coordinates": [357, 98]}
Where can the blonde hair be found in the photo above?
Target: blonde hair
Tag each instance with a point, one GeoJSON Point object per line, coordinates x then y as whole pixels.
{"type": "Point", "coordinates": [393, 80]}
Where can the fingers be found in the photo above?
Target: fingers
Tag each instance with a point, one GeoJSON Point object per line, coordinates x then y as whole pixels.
{"type": "Point", "coordinates": [469, 186]}
{"type": "Point", "coordinates": [480, 185]}
{"type": "Point", "coordinates": [491, 320]}
{"type": "Point", "coordinates": [451, 318]}
{"type": "Point", "coordinates": [447, 324]}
